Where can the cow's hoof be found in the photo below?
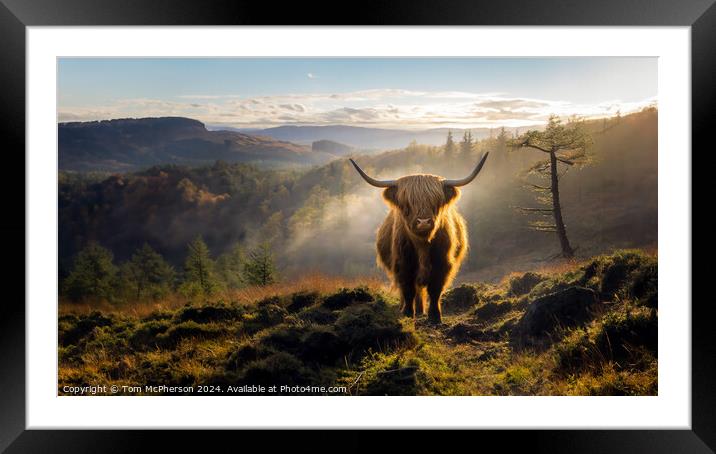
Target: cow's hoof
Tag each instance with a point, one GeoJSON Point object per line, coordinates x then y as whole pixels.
{"type": "Point", "coordinates": [435, 320]}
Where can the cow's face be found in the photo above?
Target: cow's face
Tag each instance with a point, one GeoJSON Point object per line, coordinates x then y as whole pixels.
{"type": "Point", "coordinates": [421, 201]}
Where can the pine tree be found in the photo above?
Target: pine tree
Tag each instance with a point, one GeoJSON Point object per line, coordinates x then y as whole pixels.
{"type": "Point", "coordinates": [259, 268]}
{"type": "Point", "coordinates": [501, 148]}
{"type": "Point", "coordinates": [449, 146]}
{"type": "Point", "coordinates": [148, 274]}
{"type": "Point", "coordinates": [466, 144]}
{"type": "Point", "coordinates": [230, 266]}
{"type": "Point", "coordinates": [199, 270]}
{"type": "Point", "coordinates": [93, 274]}
{"type": "Point", "coordinates": [566, 145]}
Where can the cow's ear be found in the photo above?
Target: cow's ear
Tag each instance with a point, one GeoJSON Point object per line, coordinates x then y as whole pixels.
{"type": "Point", "coordinates": [390, 195]}
{"type": "Point", "coordinates": [451, 193]}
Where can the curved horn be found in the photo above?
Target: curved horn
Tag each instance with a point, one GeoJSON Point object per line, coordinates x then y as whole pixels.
{"type": "Point", "coordinates": [373, 181]}
{"type": "Point", "coordinates": [470, 177]}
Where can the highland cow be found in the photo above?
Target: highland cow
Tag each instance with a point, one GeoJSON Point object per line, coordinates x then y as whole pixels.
{"type": "Point", "coordinates": [423, 240]}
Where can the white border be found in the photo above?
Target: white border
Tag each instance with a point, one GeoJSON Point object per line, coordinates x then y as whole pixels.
{"type": "Point", "coordinates": [670, 409]}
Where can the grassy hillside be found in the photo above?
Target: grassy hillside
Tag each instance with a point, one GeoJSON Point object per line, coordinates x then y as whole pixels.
{"type": "Point", "coordinates": [131, 144]}
{"type": "Point", "coordinates": [577, 328]}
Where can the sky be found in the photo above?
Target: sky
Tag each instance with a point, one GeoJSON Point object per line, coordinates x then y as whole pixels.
{"type": "Point", "coordinates": [402, 93]}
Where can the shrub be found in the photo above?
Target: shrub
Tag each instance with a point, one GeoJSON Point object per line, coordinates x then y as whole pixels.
{"type": "Point", "coordinates": [523, 284]}
{"type": "Point", "coordinates": [206, 314]}
{"type": "Point", "coordinates": [612, 274]}
{"type": "Point", "coordinates": [492, 309]}
{"type": "Point", "coordinates": [622, 338]}
{"type": "Point", "coordinates": [569, 307]}
{"type": "Point", "coordinates": [460, 299]}
{"type": "Point", "coordinates": [285, 338]}
{"type": "Point", "coordinates": [345, 297]}
{"type": "Point", "coordinates": [302, 300]}
{"type": "Point", "coordinates": [313, 343]}
{"type": "Point", "coordinates": [644, 285]}
{"type": "Point", "coordinates": [145, 335]}
{"type": "Point", "coordinates": [318, 315]}
{"type": "Point", "coordinates": [186, 330]}
{"type": "Point", "coordinates": [616, 270]}
{"type": "Point", "coordinates": [246, 354]}
{"type": "Point", "coordinates": [72, 329]}
{"type": "Point", "coordinates": [624, 330]}
{"type": "Point", "coordinates": [375, 326]}
{"type": "Point", "coordinates": [548, 286]}
{"type": "Point", "coordinates": [271, 314]}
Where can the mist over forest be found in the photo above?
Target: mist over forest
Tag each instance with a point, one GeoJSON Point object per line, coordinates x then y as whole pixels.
{"type": "Point", "coordinates": [324, 219]}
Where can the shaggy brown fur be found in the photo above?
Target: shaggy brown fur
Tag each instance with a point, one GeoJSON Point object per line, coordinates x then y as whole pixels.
{"type": "Point", "coordinates": [417, 254]}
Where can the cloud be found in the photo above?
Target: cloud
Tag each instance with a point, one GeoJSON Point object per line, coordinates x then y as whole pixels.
{"type": "Point", "coordinates": [382, 107]}
{"type": "Point", "coordinates": [311, 76]}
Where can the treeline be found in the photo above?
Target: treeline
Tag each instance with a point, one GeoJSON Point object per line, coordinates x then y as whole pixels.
{"type": "Point", "coordinates": [324, 219]}
{"type": "Point", "coordinates": [146, 275]}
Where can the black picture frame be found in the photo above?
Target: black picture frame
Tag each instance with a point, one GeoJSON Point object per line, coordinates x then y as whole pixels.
{"type": "Point", "coordinates": [16, 15]}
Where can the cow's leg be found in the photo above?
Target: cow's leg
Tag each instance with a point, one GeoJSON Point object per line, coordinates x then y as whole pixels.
{"type": "Point", "coordinates": [420, 301]}
{"type": "Point", "coordinates": [435, 291]}
{"type": "Point", "coordinates": [436, 285]}
{"type": "Point", "coordinates": [407, 299]}
{"type": "Point", "coordinates": [406, 270]}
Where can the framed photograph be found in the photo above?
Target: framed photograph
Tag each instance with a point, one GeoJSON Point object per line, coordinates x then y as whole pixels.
{"type": "Point", "coordinates": [422, 217]}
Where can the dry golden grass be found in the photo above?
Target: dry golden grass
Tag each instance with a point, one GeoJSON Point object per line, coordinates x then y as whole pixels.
{"type": "Point", "coordinates": [444, 363]}
{"type": "Point", "coordinates": [314, 282]}
{"type": "Point", "coordinates": [137, 309]}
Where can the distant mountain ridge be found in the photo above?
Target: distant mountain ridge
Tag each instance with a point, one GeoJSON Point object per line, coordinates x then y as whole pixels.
{"type": "Point", "coordinates": [360, 137]}
{"type": "Point", "coordinates": [134, 143]}
{"type": "Point", "coordinates": [334, 148]}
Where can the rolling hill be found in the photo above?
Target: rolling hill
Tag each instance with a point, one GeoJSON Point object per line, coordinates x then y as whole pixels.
{"type": "Point", "coordinates": [132, 144]}
{"type": "Point", "coordinates": [360, 137]}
